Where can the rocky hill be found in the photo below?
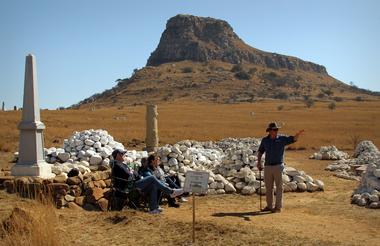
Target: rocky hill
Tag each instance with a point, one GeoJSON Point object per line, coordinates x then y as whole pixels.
{"type": "Point", "coordinates": [202, 59]}
{"type": "Point", "coordinates": [202, 39]}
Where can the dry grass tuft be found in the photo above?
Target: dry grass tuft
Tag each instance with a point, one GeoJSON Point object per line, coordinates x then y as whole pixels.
{"type": "Point", "coordinates": [34, 225]}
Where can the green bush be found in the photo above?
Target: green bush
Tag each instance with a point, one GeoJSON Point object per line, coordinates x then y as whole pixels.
{"type": "Point", "coordinates": [252, 71]}
{"type": "Point", "coordinates": [309, 103]}
{"type": "Point", "coordinates": [332, 105]}
{"type": "Point", "coordinates": [338, 99]}
{"type": "Point", "coordinates": [237, 68]}
{"type": "Point", "coordinates": [281, 95]}
{"type": "Point", "coordinates": [358, 99]}
{"type": "Point", "coordinates": [242, 75]}
{"type": "Point", "coordinates": [187, 70]}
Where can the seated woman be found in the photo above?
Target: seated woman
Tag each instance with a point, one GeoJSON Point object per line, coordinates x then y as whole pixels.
{"type": "Point", "coordinates": [171, 180]}
{"type": "Point", "coordinates": [149, 185]}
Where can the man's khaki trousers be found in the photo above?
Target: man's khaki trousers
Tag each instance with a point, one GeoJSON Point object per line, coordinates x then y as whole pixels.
{"type": "Point", "coordinates": [273, 174]}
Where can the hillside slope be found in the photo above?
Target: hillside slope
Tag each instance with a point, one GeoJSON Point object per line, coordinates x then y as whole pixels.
{"type": "Point", "coordinates": [202, 59]}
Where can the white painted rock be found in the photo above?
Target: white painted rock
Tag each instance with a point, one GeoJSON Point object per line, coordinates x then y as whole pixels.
{"type": "Point", "coordinates": [299, 179]}
{"type": "Point", "coordinates": [376, 173]}
{"type": "Point", "coordinates": [301, 187]}
{"type": "Point", "coordinates": [229, 188]}
{"type": "Point", "coordinates": [95, 159]}
{"type": "Point", "coordinates": [64, 156]}
{"type": "Point", "coordinates": [89, 142]}
{"type": "Point", "coordinates": [320, 184]}
{"type": "Point", "coordinates": [173, 162]}
{"type": "Point", "coordinates": [220, 191]}
{"type": "Point", "coordinates": [248, 190]}
{"type": "Point", "coordinates": [311, 187]}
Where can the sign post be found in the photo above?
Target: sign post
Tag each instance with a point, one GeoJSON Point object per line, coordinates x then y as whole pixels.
{"type": "Point", "coordinates": [196, 182]}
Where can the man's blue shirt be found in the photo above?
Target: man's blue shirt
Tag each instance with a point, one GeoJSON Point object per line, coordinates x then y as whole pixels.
{"type": "Point", "coordinates": [274, 149]}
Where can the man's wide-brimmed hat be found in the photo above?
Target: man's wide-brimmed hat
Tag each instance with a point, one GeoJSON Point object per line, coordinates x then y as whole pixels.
{"type": "Point", "coordinates": [273, 125]}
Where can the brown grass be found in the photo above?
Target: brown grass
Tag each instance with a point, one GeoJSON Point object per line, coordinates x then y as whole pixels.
{"type": "Point", "coordinates": [322, 218]}
{"type": "Point", "coordinates": [30, 223]}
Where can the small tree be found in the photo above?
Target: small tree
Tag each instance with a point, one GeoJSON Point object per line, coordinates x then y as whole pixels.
{"type": "Point", "coordinates": [332, 106]}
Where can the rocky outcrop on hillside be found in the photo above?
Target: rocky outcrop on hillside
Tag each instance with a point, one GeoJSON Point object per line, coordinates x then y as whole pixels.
{"type": "Point", "coordinates": [200, 39]}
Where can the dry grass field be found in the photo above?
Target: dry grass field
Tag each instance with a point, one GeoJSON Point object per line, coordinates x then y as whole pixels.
{"type": "Point", "coordinates": [321, 218]}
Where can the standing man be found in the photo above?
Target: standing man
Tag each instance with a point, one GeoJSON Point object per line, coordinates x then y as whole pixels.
{"type": "Point", "coordinates": [273, 146]}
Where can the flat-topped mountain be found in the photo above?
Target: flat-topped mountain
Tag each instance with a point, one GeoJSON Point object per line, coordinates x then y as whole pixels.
{"type": "Point", "coordinates": [202, 59]}
{"type": "Point", "coordinates": [201, 39]}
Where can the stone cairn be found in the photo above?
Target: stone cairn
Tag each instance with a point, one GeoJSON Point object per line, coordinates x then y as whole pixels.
{"type": "Point", "coordinates": [365, 153]}
{"type": "Point", "coordinates": [232, 166]}
{"type": "Point", "coordinates": [231, 163]}
{"type": "Point", "coordinates": [330, 153]}
{"type": "Point", "coordinates": [368, 192]}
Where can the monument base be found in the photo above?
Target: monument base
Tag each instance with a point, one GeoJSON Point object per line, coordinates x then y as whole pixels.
{"type": "Point", "coordinates": [41, 170]}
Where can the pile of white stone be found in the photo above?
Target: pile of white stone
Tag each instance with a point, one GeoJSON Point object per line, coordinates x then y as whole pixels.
{"type": "Point", "coordinates": [368, 192]}
{"type": "Point", "coordinates": [231, 164]}
{"type": "Point", "coordinates": [87, 151]}
{"type": "Point", "coordinates": [330, 153]}
{"type": "Point", "coordinates": [365, 153]}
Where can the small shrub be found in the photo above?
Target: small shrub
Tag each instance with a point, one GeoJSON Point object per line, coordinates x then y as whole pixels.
{"type": "Point", "coordinates": [280, 107]}
{"type": "Point", "coordinates": [242, 75]}
{"type": "Point", "coordinates": [332, 106]}
{"type": "Point", "coordinates": [358, 99]}
{"type": "Point", "coordinates": [338, 99]}
{"type": "Point", "coordinates": [252, 71]}
{"type": "Point", "coordinates": [355, 140]}
{"type": "Point", "coordinates": [321, 95]}
{"type": "Point", "coordinates": [237, 68]}
{"type": "Point", "coordinates": [187, 70]}
{"type": "Point", "coordinates": [282, 95]}
{"type": "Point", "coordinates": [309, 103]}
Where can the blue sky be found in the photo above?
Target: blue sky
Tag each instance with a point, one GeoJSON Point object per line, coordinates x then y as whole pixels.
{"type": "Point", "coordinates": [83, 46]}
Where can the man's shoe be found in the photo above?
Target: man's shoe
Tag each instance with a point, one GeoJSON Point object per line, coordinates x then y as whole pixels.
{"type": "Point", "coordinates": [276, 210]}
{"type": "Point", "coordinates": [176, 192]}
{"type": "Point", "coordinates": [266, 209]}
{"type": "Point", "coordinates": [156, 211]}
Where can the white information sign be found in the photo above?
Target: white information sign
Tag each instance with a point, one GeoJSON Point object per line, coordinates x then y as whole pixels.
{"type": "Point", "coordinates": [196, 182]}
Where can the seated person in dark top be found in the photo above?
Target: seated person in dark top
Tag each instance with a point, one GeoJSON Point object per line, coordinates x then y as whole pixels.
{"type": "Point", "coordinates": [149, 185]}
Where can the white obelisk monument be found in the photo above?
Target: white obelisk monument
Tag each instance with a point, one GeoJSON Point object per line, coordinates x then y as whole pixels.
{"type": "Point", "coordinates": [31, 160]}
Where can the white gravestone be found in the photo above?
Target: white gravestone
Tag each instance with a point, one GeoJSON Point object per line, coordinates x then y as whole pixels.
{"type": "Point", "coordinates": [31, 161]}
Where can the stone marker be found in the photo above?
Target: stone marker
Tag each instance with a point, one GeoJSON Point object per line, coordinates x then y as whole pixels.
{"type": "Point", "coordinates": [3, 107]}
{"type": "Point", "coordinates": [151, 128]}
{"type": "Point", "coordinates": [15, 108]}
{"type": "Point", "coordinates": [31, 161]}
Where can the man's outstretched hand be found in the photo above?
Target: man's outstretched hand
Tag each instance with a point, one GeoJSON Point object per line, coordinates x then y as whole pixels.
{"type": "Point", "coordinates": [298, 134]}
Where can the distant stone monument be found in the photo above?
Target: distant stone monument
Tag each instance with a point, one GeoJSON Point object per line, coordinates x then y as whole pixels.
{"type": "Point", "coordinates": [3, 107]}
{"type": "Point", "coordinates": [15, 108]}
{"type": "Point", "coordinates": [31, 161]}
{"type": "Point", "coordinates": [151, 128]}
